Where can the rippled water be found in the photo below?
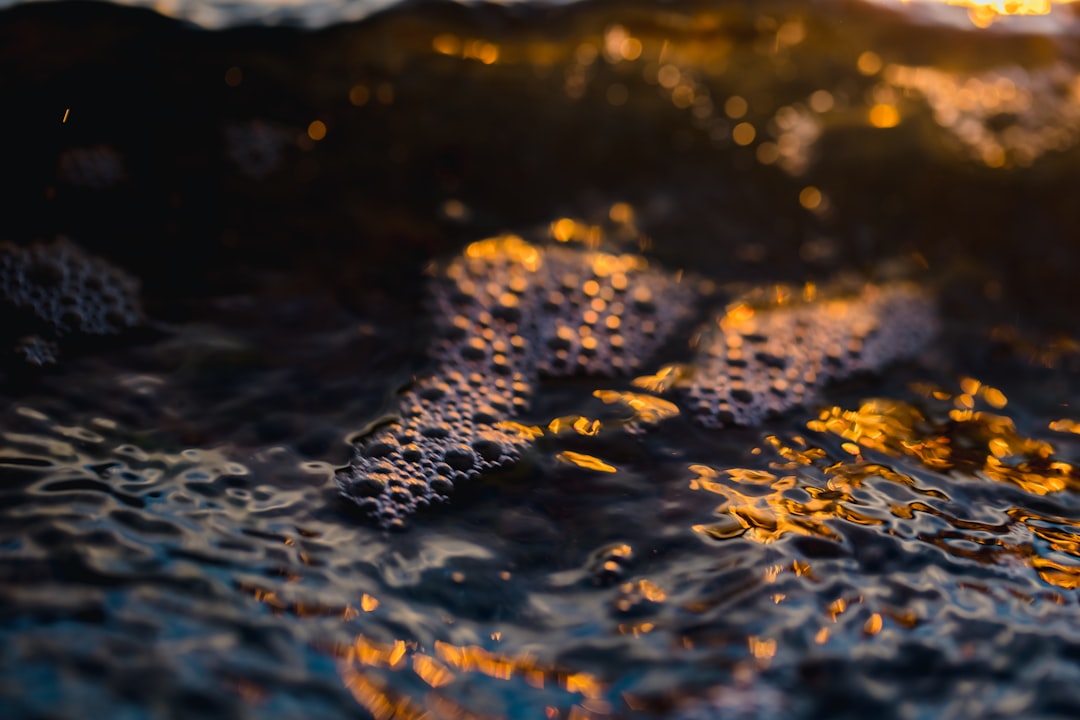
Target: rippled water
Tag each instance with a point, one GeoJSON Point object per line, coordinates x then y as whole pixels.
{"type": "Point", "coordinates": [1022, 16]}
{"type": "Point", "coordinates": [172, 540]}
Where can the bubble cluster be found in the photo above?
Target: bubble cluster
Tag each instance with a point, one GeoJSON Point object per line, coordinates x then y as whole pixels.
{"type": "Point", "coordinates": [762, 359]}
{"type": "Point", "coordinates": [508, 312]}
{"type": "Point", "coordinates": [58, 290]}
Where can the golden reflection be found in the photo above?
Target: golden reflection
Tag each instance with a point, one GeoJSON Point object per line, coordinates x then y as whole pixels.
{"type": "Point", "coordinates": [359, 662]}
{"type": "Point", "coordinates": [664, 379]}
{"type": "Point", "coordinates": [1002, 117]}
{"type": "Point", "coordinates": [574, 423]}
{"type": "Point", "coordinates": [983, 13]}
{"type": "Point", "coordinates": [647, 409]}
{"type": "Point", "coordinates": [585, 461]}
{"type": "Point", "coordinates": [506, 248]}
{"type": "Point", "coordinates": [743, 133]}
{"type": "Point", "coordinates": [316, 130]}
{"type": "Point", "coordinates": [762, 649]}
{"type": "Point", "coordinates": [1065, 425]}
{"type": "Point", "coordinates": [571, 230]}
{"type": "Point", "coordinates": [960, 435]}
{"type": "Point", "coordinates": [764, 507]}
{"type": "Point", "coordinates": [379, 700]}
{"type": "Point", "coordinates": [526, 431]}
{"type": "Point", "coordinates": [302, 609]}
{"type": "Point", "coordinates": [642, 590]}
{"type": "Point", "coordinates": [467, 48]}
{"type": "Point", "coordinates": [869, 63]}
{"type": "Point", "coordinates": [884, 115]}
{"type": "Point", "coordinates": [431, 671]}
{"type": "Point", "coordinates": [810, 197]}
{"type": "Point", "coordinates": [974, 441]}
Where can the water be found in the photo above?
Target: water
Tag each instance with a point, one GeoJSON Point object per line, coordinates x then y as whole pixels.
{"type": "Point", "coordinates": [1025, 16]}
{"type": "Point", "coordinates": [172, 542]}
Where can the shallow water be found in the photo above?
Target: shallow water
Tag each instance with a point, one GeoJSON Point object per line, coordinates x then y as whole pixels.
{"type": "Point", "coordinates": [172, 540]}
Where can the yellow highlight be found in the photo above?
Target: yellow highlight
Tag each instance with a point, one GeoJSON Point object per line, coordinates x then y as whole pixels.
{"type": "Point", "coordinates": [976, 441]}
{"type": "Point", "coordinates": [368, 603]}
{"type": "Point", "coordinates": [647, 409]}
{"type": "Point", "coordinates": [631, 49]}
{"type": "Point", "coordinates": [1065, 425]}
{"type": "Point", "coordinates": [869, 63]}
{"type": "Point", "coordinates": [663, 380]}
{"type": "Point", "coordinates": [563, 229]}
{"type": "Point", "coordinates": [431, 671]}
{"type": "Point", "coordinates": [316, 130]}
{"type": "Point", "coordinates": [810, 197]}
{"type": "Point", "coordinates": [576, 423]}
{"type": "Point", "coordinates": [585, 461]}
{"type": "Point", "coordinates": [505, 248]}
{"type": "Point", "coordinates": [648, 589]}
{"type": "Point", "coordinates": [485, 52]}
{"type": "Point", "coordinates": [446, 44]}
{"type": "Point", "coordinates": [735, 107]}
{"type": "Point", "coordinates": [622, 213]}
{"type": "Point", "coordinates": [528, 431]}
{"type": "Point", "coordinates": [884, 115]}
{"type": "Point", "coordinates": [743, 134]}
{"type": "Point", "coordinates": [469, 49]}
{"type": "Point", "coordinates": [983, 13]}
{"type": "Point", "coordinates": [995, 398]}
{"type": "Point", "coordinates": [762, 649]}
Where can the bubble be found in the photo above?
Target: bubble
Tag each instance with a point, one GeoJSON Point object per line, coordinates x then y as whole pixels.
{"type": "Point", "coordinates": [63, 291]}
{"type": "Point", "coordinates": [509, 312]}
{"type": "Point", "coordinates": [817, 341]}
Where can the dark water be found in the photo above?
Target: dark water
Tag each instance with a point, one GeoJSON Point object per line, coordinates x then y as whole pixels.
{"type": "Point", "coordinates": [172, 543]}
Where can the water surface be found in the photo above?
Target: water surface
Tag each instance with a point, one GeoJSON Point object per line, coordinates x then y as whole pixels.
{"type": "Point", "coordinates": [173, 543]}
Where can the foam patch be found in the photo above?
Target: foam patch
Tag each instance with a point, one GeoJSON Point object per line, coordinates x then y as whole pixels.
{"type": "Point", "coordinates": [755, 361]}
{"type": "Point", "coordinates": [58, 290]}
{"type": "Point", "coordinates": [507, 313]}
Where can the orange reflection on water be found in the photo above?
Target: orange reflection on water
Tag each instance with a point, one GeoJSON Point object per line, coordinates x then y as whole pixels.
{"type": "Point", "coordinates": [361, 662]}
{"type": "Point", "coordinates": [647, 409]}
{"type": "Point", "coordinates": [588, 462]}
{"type": "Point", "coordinates": [956, 434]}
{"type": "Point", "coordinates": [764, 507]}
{"type": "Point", "coordinates": [1065, 425]}
{"type": "Point", "coordinates": [1001, 117]}
{"type": "Point", "coordinates": [983, 13]}
{"type": "Point", "coordinates": [973, 441]}
{"type": "Point", "coordinates": [506, 248]}
{"type": "Point", "coordinates": [466, 48]}
{"type": "Point", "coordinates": [379, 700]}
{"type": "Point", "coordinates": [472, 658]}
{"type": "Point", "coordinates": [302, 609]}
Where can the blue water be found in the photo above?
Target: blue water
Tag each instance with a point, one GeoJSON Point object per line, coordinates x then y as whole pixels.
{"type": "Point", "coordinates": [172, 540]}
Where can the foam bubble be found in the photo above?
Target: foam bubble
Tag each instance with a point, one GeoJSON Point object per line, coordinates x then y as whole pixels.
{"type": "Point", "coordinates": [508, 312]}
{"type": "Point", "coordinates": [59, 290]}
{"type": "Point", "coordinates": [754, 362]}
